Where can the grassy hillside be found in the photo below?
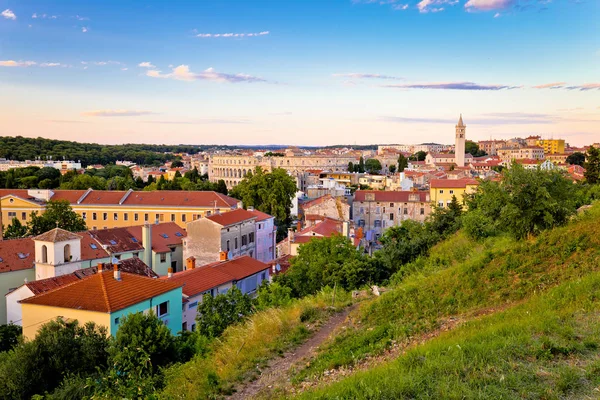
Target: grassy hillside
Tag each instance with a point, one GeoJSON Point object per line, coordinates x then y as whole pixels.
{"type": "Point", "coordinates": [543, 346]}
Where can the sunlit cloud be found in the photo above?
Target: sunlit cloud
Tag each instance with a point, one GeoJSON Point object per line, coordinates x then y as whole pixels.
{"type": "Point", "coordinates": [231, 35]}
{"type": "Point", "coordinates": [84, 29]}
{"type": "Point", "coordinates": [146, 64]}
{"type": "Point", "coordinates": [451, 86]}
{"type": "Point", "coordinates": [43, 16]}
{"type": "Point", "coordinates": [13, 63]}
{"type": "Point", "coordinates": [426, 6]}
{"type": "Point", "coordinates": [8, 14]}
{"type": "Point", "coordinates": [400, 7]}
{"type": "Point", "coordinates": [355, 75]}
{"type": "Point", "coordinates": [101, 63]}
{"type": "Point", "coordinates": [488, 5]}
{"type": "Point", "coordinates": [183, 73]}
{"type": "Point", "coordinates": [116, 113]}
{"type": "Point", "coordinates": [80, 18]}
{"type": "Point", "coordinates": [585, 87]}
{"type": "Point", "coordinates": [202, 121]}
{"type": "Point", "coordinates": [553, 85]}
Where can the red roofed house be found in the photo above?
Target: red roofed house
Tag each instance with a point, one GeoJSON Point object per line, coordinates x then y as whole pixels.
{"type": "Point", "coordinates": [266, 235]}
{"type": "Point", "coordinates": [104, 298]}
{"type": "Point", "coordinates": [212, 279]}
{"type": "Point", "coordinates": [376, 210]}
{"type": "Point", "coordinates": [442, 190]}
{"type": "Point", "coordinates": [233, 232]}
{"type": "Point", "coordinates": [323, 207]}
{"type": "Point", "coordinates": [325, 228]}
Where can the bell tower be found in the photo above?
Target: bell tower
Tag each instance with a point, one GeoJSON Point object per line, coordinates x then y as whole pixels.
{"type": "Point", "coordinates": [459, 146]}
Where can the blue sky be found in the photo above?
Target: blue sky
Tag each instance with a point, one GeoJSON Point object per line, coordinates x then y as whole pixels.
{"type": "Point", "coordinates": [299, 72]}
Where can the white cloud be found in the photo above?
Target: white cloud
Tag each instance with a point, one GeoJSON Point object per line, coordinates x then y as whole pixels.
{"type": "Point", "coordinates": [400, 7]}
{"type": "Point", "coordinates": [84, 29]}
{"type": "Point", "coordinates": [101, 63]}
{"type": "Point", "coordinates": [13, 63]}
{"type": "Point", "coordinates": [488, 5]}
{"type": "Point", "coordinates": [146, 64]}
{"type": "Point", "coordinates": [553, 85]}
{"type": "Point", "coordinates": [80, 18]}
{"type": "Point", "coordinates": [355, 75]}
{"type": "Point", "coordinates": [426, 6]}
{"type": "Point", "coordinates": [228, 35]}
{"type": "Point", "coordinates": [51, 64]}
{"type": "Point", "coordinates": [116, 113]}
{"type": "Point", "coordinates": [43, 16]}
{"type": "Point", "coordinates": [124, 69]}
{"type": "Point", "coordinates": [183, 73]}
{"type": "Point", "coordinates": [497, 15]}
{"type": "Point", "coordinates": [8, 14]}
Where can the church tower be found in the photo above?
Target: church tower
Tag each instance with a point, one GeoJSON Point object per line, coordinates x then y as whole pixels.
{"type": "Point", "coordinates": [459, 147]}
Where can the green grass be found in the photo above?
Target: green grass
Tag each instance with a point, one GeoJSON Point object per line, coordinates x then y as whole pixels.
{"type": "Point", "coordinates": [243, 349]}
{"type": "Point", "coordinates": [543, 348]}
{"type": "Point", "coordinates": [460, 277]}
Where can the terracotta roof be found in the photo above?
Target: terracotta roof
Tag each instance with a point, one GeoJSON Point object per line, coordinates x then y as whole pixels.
{"type": "Point", "coordinates": [102, 293]}
{"type": "Point", "coordinates": [326, 228]}
{"type": "Point", "coordinates": [452, 183]}
{"type": "Point", "coordinates": [90, 248]}
{"type": "Point", "coordinates": [260, 216]}
{"type": "Point", "coordinates": [57, 235]}
{"type": "Point", "coordinates": [44, 285]}
{"type": "Point", "coordinates": [16, 254]}
{"type": "Point", "coordinates": [318, 200]}
{"type": "Point", "coordinates": [283, 262]}
{"type": "Point", "coordinates": [232, 217]}
{"type": "Point", "coordinates": [164, 236]}
{"type": "Point", "coordinates": [241, 267]}
{"type": "Point", "coordinates": [390, 196]}
{"type": "Point", "coordinates": [181, 198]}
{"type": "Point", "coordinates": [200, 279]}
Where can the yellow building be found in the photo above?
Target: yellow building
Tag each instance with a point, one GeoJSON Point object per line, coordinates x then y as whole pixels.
{"type": "Point", "coordinates": [442, 190]}
{"type": "Point", "coordinates": [102, 209]}
{"type": "Point", "coordinates": [552, 146]}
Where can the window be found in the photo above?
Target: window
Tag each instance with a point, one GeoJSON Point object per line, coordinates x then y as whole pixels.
{"type": "Point", "coordinates": [134, 239]}
{"type": "Point", "coordinates": [391, 216]}
{"type": "Point", "coordinates": [208, 213]}
{"type": "Point", "coordinates": [94, 228]}
{"type": "Point", "coordinates": [377, 210]}
{"type": "Point", "coordinates": [451, 191]}
{"type": "Point", "coordinates": [135, 217]}
{"type": "Point", "coordinates": [67, 252]}
{"type": "Point", "coordinates": [377, 223]}
{"type": "Point", "coordinates": [193, 327]}
{"type": "Point", "coordinates": [422, 211]}
{"type": "Point", "coordinates": [125, 217]}
{"type": "Point", "coordinates": [178, 234]}
{"type": "Point", "coordinates": [251, 237]}
{"type": "Point", "coordinates": [193, 304]}
{"type": "Point", "coordinates": [361, 222]}
{"type": "Point", "coordinates": [172, 249]}
{"type": "Point", "coordinates": [244, 240]}
{"type": "Point", "coordinates": [391, 205]}
{"type": "Point", "coordinates": [163, 309]}
{"type": "Point", "coordinates": [184, 326]}
{"type": "Point", "coordinates": [440, 203]}
{"type": "Point", "coordinates": [117, 321]}
{"type": "Point", "coordinates": [163, 257]}
{"type": "Point", "coordinates": [441, 191]}
{"type": "Point", "coordinates": [94, 216]}
{"type": "Point", "coordinates": [263, 276]}
{"type": "Point", "coordinates": [136, 255]}
{"type": "Point", "coordinates": [84, 215]}
{"type": "Point", "coordinates": [235, 246]}
{"type": "Point", "coordinates": [44, 254]}
{"type": "Point", "coordinates": [116, 216]}
{"type": "Point", "coordinates": [182, 217]}
{"type": "Point", "coordinates": [12, 215]}
{"type": "Point", "coordinates": [112, 242]}
{"type": "Point", "coordinates": [105, 216]}
{"type": "Point", "coordinates": [228, 245]}
{"type": "Point", "coordinates": [362, 210]}
{"type": "Point", "coordinates": [259, 226]}
{"type": "Point", "coordinates": [93, 246]}
{"type": "Point", "coordinates": [146, 217]}
{"type": "Point", "coordinates": [172, 217]}
{"type": "Point", "coordinates": [405, 211]}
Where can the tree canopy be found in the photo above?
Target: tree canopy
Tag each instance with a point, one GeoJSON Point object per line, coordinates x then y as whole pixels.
{"type": "Point", "coordinates": [402, 163]}
{"type": "Point", "coordinates": [215, 314]}
{"type": "Point", "coordinates": [592, 166]}
{"type": "Point", "coordinates": [271, 193]}
{"type": "Point", "coordinates": [58, 214]}
{"type": "Point", "coordinates": [577, 158]}
{"type": "Point", "coordinates": [373, 166]}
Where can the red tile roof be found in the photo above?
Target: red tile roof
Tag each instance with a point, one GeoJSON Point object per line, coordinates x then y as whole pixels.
{"type": "Point", "coordinates": [16, 254]}
{"type": "Point", "coordinates": [102, 293]}
{"type": "Point", "coordinates": [44, 285]}
{"type": "Point", "coordinates": [260, 216]}
{"type": "Point", "coordinates": [232, 217]}
{"type": "Point", "coordinates": [164, 236]}
{"type": "Point", "coordinates": [318, 200]}
{"type": "Point", "coordinates": [201, 279]}
{"type": "Point", "coordinates": [56, 235]}
{"type": "Point", "coordinates": [390, 196]}
{"type": "Point", "coordinates": [326, 228]}
{"type": "Point", "coordinates": [452, 183]}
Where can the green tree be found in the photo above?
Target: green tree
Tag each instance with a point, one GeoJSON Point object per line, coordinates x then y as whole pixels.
{"type": "Point", "coordinates": [350, 167]}
{"type": "Point", "coordinates": [58, 214]}
{"type": "Point", "coordinates": [84, 182]}
{"type": "Point", "coordinates": [361, 165]}
{"type": "Point", "coordinates": [328, 261]}
{"type": "Point", "coordinates": [472, 148]}
{"type": "Point", "coordinates": [215, 314]}
{"type": "Point", "coordinates": [271, 193]}
{"type": "Point", "coordinates": [9, 336]}
{"type": "Point", "coordinates": [272, 295]}
{"type": "Point", "coordinates": [177, 164]}
{"type": "Point", "coordinates": [15, 230]}
{"type": "Point", "coordinates": [592, 166]}
{"type": "Point", "coordinates": [419, 156]}
{"type": "Point", "coordinates": [576, 158]}
{"type": "Point", "coordinates": [373, 166]}
{"type": "Point", "coordinates": [221, 187]}
{"type": "Point", "coordinates": [524, 202]}
{"type": "Point", "coordinates": [392, 169]}
{"type": "Point", "coordinates": [60, 348]}
{"type": "Point", "coordinates": [402, 163]}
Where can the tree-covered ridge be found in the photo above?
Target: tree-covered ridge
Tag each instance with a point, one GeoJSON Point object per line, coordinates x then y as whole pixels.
{"type": "Point", "coordinates": [20, 148]}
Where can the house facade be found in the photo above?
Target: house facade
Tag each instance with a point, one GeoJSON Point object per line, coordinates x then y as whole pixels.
{"type": "Point", "coordinates": [266, 235]}
{"type": "Point", "coordinates": [442, 190]}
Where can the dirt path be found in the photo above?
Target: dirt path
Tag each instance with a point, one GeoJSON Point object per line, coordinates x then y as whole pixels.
{"type": "Point", "coordinates": [276, 373]}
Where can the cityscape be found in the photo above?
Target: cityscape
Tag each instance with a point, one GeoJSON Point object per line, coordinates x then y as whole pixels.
{"type": "Point", "coordinates": [259, 200]}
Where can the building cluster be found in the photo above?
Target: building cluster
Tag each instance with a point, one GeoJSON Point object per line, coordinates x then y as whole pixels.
{"type": "Point", "coordinates": [63, 166]}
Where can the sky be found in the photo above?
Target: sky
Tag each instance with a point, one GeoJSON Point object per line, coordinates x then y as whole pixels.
{"type": "Point", "coordinates": [299, 72]}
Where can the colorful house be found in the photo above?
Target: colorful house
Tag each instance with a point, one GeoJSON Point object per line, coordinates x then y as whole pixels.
{"type": "Point", "coordinates": [442, 190]}
{"type": "Point", "coordinates": [104, 298]}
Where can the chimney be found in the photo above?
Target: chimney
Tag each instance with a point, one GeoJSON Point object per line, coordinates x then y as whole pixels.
{"type": "Point", "coordinates": [346, 229]}
{"type": "Point", "coordinates": [170, 272]}
{"type": "Point", "coordinates": [190, 263]}
{"type": "Point", "coordinates": [223, 256]}
{"type": "Point", "coordinates": [100, 267]}
{"type": "Point", "coordinates": [250, 208]}
{"type": "Point", "coordinates": [147, 244]}
{"type": "Point", "coordinates": [116, 272]}
{"type": "Point", "coordinates": [291, 235]}
{"type": "Point", "coordinates": [299, 226]}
